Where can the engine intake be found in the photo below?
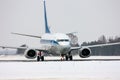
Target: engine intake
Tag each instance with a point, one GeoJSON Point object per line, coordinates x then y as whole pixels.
{"type": "Point", "coordinates": [84, 52]}
{"type": "Point", "coordinates": [31, 53]}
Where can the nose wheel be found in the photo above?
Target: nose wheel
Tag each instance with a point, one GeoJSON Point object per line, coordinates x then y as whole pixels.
{"type": "Point", "coordinates": [62, 57]}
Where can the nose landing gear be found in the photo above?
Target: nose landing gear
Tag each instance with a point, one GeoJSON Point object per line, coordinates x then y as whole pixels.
{"type": "Point", "coordinates": [62, 57]}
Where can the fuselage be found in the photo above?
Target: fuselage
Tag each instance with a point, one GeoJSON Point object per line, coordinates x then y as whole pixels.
{"type": "Point", "coordinates": [56, 43]}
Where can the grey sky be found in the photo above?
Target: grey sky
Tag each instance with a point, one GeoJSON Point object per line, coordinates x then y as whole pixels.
{"type": "Point", "coordinates": [90, 18]}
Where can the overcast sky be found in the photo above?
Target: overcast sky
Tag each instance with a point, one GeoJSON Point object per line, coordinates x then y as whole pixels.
{"type": "Point", "coordinates": [90, 18]}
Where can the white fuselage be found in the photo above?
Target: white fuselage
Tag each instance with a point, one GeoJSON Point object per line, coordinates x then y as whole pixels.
{"type": "Point", "coordinates": [57, 43]}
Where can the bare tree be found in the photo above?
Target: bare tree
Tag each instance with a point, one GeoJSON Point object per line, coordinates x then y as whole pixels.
{"type": "Point", "coordinates": [102, 40]}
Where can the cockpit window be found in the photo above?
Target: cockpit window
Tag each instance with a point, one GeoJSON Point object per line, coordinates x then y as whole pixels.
{"type": "Point", "coordinates": [66, 40]}
{"type": "Point", "coordinates": [62, 40]}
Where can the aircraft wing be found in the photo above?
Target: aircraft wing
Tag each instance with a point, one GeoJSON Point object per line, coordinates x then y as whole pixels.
{"type": "Point", "coordinates": [12, 47]}
{"type": "Point", "coordinates": [75, 48]}
{"type": "Point", "coordinates": [27, 35]}
{"type": "Point", "coordinates": [100, 45]}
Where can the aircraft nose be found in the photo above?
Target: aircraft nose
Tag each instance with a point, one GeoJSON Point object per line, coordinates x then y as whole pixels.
{"type": "Point", "coordinates": [65, 49]}
{"type": "Point", "coordinates": [65, 44]}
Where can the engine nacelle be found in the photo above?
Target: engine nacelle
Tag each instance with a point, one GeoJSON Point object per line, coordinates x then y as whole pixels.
{"type": "Point", "coordinates": [30, 53]}
{"type": "Point", "coordinates": [84, 52]}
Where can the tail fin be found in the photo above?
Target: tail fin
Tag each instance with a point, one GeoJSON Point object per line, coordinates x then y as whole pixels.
{"type": "Point", "coordinates": [45, 16]}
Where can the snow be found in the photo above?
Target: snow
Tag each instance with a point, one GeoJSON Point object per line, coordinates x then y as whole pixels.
{"type": "Point", "coordinates": [98, 70]}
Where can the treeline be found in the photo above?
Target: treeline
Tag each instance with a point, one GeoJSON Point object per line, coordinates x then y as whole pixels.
{"type": "Point", "coordinates": [111, 50]}
{"type": "Point", "coordinates": [102, 40]}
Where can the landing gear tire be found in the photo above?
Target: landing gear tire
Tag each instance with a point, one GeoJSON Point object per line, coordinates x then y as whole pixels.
{"type": "Point", "coordinates": [71, 58]}
{"type": "Point", "coordinates": [42, 58]}
{"type": "Point", "coordinates": [38, 58]}
{"type": "Point", "coordinates": [66, 57]}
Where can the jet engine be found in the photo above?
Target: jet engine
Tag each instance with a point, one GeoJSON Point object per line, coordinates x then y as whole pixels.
{"type": "Point", "coordinates": [84, 52]}
{"type": "Point", "coordinates": [30, 53]}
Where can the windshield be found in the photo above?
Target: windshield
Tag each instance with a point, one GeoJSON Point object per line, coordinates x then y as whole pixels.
{"type": "Point", "coordinates": [62, 40]}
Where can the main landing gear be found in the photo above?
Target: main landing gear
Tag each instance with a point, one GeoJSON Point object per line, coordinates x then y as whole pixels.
{"type": "Point", "coordinates": [66, 57]}
{"type": "Point", "coordinates": [40, 56]}
{"type": "Point", "coordinates": [70, 57]}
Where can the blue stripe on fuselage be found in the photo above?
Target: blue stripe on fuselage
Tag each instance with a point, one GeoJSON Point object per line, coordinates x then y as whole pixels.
{"type": "Point", "coordinates": [51, 42]}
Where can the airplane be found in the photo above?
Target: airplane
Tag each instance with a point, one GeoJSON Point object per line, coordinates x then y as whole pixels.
{"type": "Point", "coordinates": [54, 43]}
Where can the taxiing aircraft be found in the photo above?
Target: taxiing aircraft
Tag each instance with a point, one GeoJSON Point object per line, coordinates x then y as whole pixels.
{"type": "Point", "coordinates": [54, 43]}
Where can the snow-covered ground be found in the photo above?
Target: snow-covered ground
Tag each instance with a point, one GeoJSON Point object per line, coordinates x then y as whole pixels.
{"type": "Point", "coordinates": [72, 70]}
{"type": "Point", "coordinates": [22, 57]}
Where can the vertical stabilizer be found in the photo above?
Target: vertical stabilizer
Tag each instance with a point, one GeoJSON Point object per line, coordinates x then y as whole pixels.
{"type": "Point", "coordinates": [45, 16]}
